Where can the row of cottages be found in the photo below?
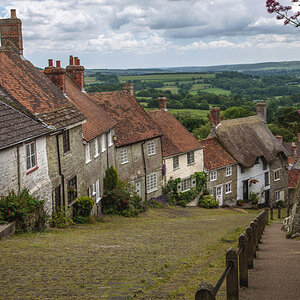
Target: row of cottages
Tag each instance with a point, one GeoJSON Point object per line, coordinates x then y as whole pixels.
{"type": "Point", "coordinates": [64, 139]}
{"type": "Point", "coordinates": [243, 156]}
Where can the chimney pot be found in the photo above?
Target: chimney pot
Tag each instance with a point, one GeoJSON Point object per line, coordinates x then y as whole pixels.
{"type": "Point", "coordinates": [162, 103]}
{"type": "Point", "coordinates": [71, 61]}
{"type": "Point", "coordinates": [50, 62]}
{"type": "Point", "coordinates": [215, 115]}
{"type": "Point", "coordinates": [58, 64]}
{"type": "Point", "coordinates": [279, 139]}
{"type": "Point", "coordinates": [261, 110]}
{"type": "Point", "coordinates": [13, 13]}
{"type": "Point", "coordinates": [75, 60]}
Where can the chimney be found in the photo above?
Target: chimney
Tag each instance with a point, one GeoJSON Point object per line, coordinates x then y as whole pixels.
{"type": "Point", "coordinates": [11, 33]}
{"type": "Point", "coordinates": [162, 103]}
{"type": "Point", "coordinates": [294, 149]}
{"type": "Point", "coordinates": [279, 138]}
{"type": "Point", "coordinates": [75, 71]}
{"type": "Point", "coordinates": [261, 110]}
{"type": "Point", "coordinates": [129, 87]}
{"type": "Point", "coordinates": [215, 116]}
{"type": "Point", "coordinates": [56, 74]}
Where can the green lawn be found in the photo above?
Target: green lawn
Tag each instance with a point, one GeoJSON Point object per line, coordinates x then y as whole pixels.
{"type": "Point", "coordinates": [164, 253]}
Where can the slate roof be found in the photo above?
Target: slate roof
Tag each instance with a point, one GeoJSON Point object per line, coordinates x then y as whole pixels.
{"type": "Point", "coordinates": [98, 121]}
{"type": "Point", "coordinates": [175, 139]}
{"type": "Point", "coordinates": [247, 138]}
{"type": "Point", "coordinates": [16, 127]}
{"type": "Point", "coordinates": [26, 86]}
{"type": "Point", "coordinates": [215, 156]}
{"type": "Point", "coordinates": [294, 176]}
{"type": "Point", "coordinates": [134, 124]}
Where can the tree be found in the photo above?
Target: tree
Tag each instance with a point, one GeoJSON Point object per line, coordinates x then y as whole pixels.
{"type": "Point", "coordinates": [110, 179]}
{"type": "Point", "coordinates": [283, 12]}
{"type": "Point", "coordinates": [236, 112]}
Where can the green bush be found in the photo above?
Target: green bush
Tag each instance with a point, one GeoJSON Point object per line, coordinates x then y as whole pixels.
{"type": "Point", "coordinates": [27, 211]}
{"type": "Point", "coordinates": [82, 209]}
{"type": "Point", "coordinates": [59, 219]}
{"type": "Point", "coordinates": [110, 180]}
{"type": "Point", "coordinates": [253, 198]}
{"type": "Point", "coordinates": [208, 201]}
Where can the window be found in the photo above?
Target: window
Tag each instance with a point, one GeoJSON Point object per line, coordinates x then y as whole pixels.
{"type": "Point", "coordinates": [152, 182]}
{"type": "Point", "coordinates": [276, 174]}
{"type": "Point", "coordinates": [185, 184]}
{"type": "Point", "coordinates": [103, 142]}
{"type": "Point", "coordinates": [124, 156]}
{"type": "Point", "coordinates": [72, 189]}
{"type": "Point", "coordinates": [265, 165]}
{"type": "Point", "coordinates": [267, 180]}
{"type": "Point", "coordinates": [190, 158]}
{"type": "Point", "coordinates": [138, 188]}
{"type": "Point", "coordinates": [98, 197]}
{"type": "Point", "coordinates": [66, 141]}
{"type": "Point", "coordinates": [110, 142]}
{"type": "Point", "coordinates": [279, 195]}
{"type": "Point", "coordinates": [228, 188]}
{"type": "Point", "coordinates": [229, 171]}
{"type": "Point", "coordinates": [87, 153]}
{"type": "Point", "coordinates": [89, 191]}
{"type": "Point", "coordinates": [57, 196]}
{"type": "Point", "coordinates": [30, 156]}
{"type": "Point", "coordinates": [151, 148]}
{"type": "Point", "coordinates": [96, 147]}
{"type": "Point", "coordinates": [213, 176]}
{"type": "Point", "coordinates": [257, 161]}
{"type": "Point", "coordinates": [175, 162]}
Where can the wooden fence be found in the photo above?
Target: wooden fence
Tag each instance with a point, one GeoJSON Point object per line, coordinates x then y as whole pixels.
{"type": "Point", "coordinates": [238, 261]}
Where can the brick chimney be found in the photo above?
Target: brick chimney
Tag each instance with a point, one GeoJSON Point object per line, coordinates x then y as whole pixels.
{"type": "Point", "coordinates": [215, 116]}
{"type": "Point", "coordinates": [11, 33]}
{"type": "Point", "coordinates": [75, 71]}
{"type": "Point", "coordinates": [129, 87]}
{"type": "Point", "coordinates": [261, 110]}
{"type": "Point", "coordinates": [294, 149]}
{"type": "Point", "coordinates": [56, 74]}
{"type": "Point", "coordinates": [162, 103]}
{"type": "Point", "coordinates": [279, 138]}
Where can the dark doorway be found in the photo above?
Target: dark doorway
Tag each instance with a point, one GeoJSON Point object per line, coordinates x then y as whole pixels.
{"type": "Point", "coordinates": [267, 197]}
{"type": "Point", "coordinates": [245, 190]}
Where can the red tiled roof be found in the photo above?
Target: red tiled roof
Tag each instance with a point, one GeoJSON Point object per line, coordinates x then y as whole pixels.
{"type": "Point", "coordinates": [215, 156]}
{"type": "Point", "coordinates": [134, 124]}
{"type": "Point", "coordinates": [98, 121]}
{"type": "Point", "coordinates": [294, 176]}
{"type": "Point", "coordinates": [28, 87]}
{"type": "Point", "coordinates": [176, 139]}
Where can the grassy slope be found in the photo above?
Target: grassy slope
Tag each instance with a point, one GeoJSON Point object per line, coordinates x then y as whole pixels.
{"type": "Point", "coordinates": [164, 253]}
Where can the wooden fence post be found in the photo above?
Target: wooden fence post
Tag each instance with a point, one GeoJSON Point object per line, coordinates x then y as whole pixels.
{"type": "Point", "coordinates": [279, 212]}
{"type": "Point", "coordinates": [205, 291]}
{"type": "Point", "coordinates": [253, 226]}
{"type": "Point", "coordinates": [232, 279]}
{"type": "Point", "coordinates": [243, 263]}
{"type": "Point", "coordinates": [249, 233]}
{"type": "Point", "coordinates": [271, 209]}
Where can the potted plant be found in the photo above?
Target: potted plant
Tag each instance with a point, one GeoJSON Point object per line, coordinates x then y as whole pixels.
{"type": "Point", "coordinates": [239, 202]}
{"type": "Point", "coordinates": [253, 198]}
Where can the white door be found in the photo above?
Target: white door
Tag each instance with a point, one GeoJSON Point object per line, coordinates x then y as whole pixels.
{"type": "Point", "coordinates": [219, 195]}
{"type": "Point", "coordinates": [138, 188]}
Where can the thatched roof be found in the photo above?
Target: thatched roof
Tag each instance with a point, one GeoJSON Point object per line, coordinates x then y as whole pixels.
{"type": "Point", "coordinates": [248, 138]}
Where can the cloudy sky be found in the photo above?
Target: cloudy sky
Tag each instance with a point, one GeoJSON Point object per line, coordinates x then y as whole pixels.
{"type": "Point", "coordinates": [153, 33]}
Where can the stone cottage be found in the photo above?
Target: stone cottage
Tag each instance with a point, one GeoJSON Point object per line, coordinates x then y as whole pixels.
{"type": "Point", "coordinates": [262, 161]}
{"type": "Point", "coordinates": [221, 171]}
{"type": "Point", "coordinates": [182, 153]}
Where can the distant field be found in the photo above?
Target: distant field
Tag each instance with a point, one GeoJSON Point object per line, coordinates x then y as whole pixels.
{"type": "Point", "coordinates": [167, 77]}
{"type": "Point", "coordinates": [217, 91]}
{"type": "Point", "coordinates": [194, 112]}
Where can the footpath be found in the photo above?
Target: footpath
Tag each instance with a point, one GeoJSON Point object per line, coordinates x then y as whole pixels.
{"type": "Point", "coordinates": [276, 273]}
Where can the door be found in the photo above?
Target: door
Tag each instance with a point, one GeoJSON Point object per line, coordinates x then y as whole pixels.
{"type": "Point", "coordinates": [245, 190]}
{"type": "Point", "coordinates": [267, 197]}
{"type": "Point", "coordinates": [219, 195]}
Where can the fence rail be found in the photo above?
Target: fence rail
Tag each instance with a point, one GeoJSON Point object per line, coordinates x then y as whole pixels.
{"type": "Point", "coordinates": [238, 261]}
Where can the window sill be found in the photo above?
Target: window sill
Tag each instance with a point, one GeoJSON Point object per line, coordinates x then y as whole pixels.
{"type": "Point", "coordinates": [124, 163]}
{"type": "Point", "coordinates": [88, 161]}
{"type": "Point", "coordinates": [32, 170]}
{"type": "Point", "coordinates": [212, 180]}
{"type": "Point", "coordinates": [103, 150]}
{"type": "Point", "coordinates": [152, 191]}
{"type": "Point", "coordinates": [277, 179]}
{"type": "Point", "coordinates": [98, 200]}
{"type": "Point", "coordinates": [191, 164]}
{"type": "Point", "coordinates": [228, 175]}
{"type": "Point", "coordinates": [97, 155]}
{"type": "Point", "coordinates": [228, 192]}
{"type": "Point", "coordinates": [151, 154]}
{"type": "Point", "coordinates": [174, 169]}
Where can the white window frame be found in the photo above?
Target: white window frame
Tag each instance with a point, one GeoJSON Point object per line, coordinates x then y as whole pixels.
{"type": "Point", "coordinates": [124, 156]}
{"type": "Point", "coordinates": [87, 153]}
{"type": "Point", "coordinates": [176, 166]}
{"type": "Point", "coordinates": [96, 148]}
{"type": "Point", "coordinates": [103, 142]}
{"type": "Point", "coordinates": [110, 141]}
{"type": "Point", "coordinates": [98, 196]}
{"type": "Point", "coordinates": [228, 187]}
{"type": "Point", "coordinates": [213, 176]}
{"type": "Point", "coordinates": [31, 158]}
{"type": "Point", "coordinates": [277, 171]}
{"type": "Point", "coordinates": [279, 195]}
{"type": "Point", "coordinates": [190, 155]}
{"type": "Point", "coordinates": [152, 184]}
{"type": "Point", "coordinates": [186, 184]}
{"type": "Point", "coordinates": [151, 148]}
{"type": "Point", "coordinates": [228, 171]}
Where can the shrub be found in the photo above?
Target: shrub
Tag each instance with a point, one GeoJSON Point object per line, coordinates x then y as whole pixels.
{"type": "Point", "coordinates": [208, 201]}
{"type": "Point", "coordinates": [253, 197]}
{"type": "Point", "coordinates": [110, 180]}
{"type": "Point", "coordinates": [82, 209]}
{"type": "Point", "coordinates": [26, 210]}
{"type": "Point", "coordinates": [59, 219]}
